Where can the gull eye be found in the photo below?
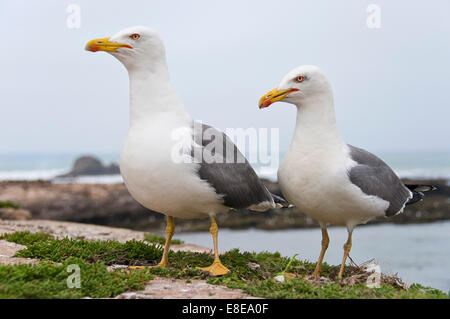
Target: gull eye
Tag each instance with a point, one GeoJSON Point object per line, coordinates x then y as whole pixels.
{"type": "Point", "coordinates": [135, 36]}
{"type": "Point", "coordinates": [299, 78]}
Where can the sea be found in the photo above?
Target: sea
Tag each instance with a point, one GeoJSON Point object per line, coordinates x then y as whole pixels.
{"type": "Point", "coordinates": [417, 252]}
{"type": "Point", "coordinates": [46, 166]}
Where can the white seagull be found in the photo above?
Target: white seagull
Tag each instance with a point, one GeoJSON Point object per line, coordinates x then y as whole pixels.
{"type": "Point", "coordinates": [327, 179]}
{"type": "Point", "coordinates": [167, 161]}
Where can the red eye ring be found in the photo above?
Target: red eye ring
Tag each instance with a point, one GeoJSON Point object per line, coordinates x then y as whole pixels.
{"type": "Point", "coordinates": [135, 36]}
{"type": "Point", "coordinates": [299, 78]}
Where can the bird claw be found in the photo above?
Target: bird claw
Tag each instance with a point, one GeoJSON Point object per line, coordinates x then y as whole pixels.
{"type": "Point", "coordinates": [216, 269]}
{"type": "Point", "coordinates": [160, 265]}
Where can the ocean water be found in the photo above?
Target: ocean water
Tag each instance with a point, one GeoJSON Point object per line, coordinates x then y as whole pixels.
{"type": "Point", "coordinates": [46, 166]}
{"type": "Point", "coordinates": [418, 253]}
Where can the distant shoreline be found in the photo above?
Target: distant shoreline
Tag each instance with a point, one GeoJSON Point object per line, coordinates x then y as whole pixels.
{"type": "Point", "coordinates": [112, 205]}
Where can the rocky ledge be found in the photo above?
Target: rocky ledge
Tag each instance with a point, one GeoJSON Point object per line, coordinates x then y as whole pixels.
{"type": "Point", "coordinates": [112, 205]}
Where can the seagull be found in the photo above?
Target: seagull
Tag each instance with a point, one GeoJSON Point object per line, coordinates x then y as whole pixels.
{"type": "Point", "coordinates": [327, 179]}
{"type": "Point", "coordinates": [170, 163]}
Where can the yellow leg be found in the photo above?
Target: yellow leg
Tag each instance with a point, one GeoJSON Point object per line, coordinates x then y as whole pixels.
{"type": "Point", "coordinates": [347, 247]}
{"type": "Point", "coordinates": [325, 242]}
{"type": "Point", "coordinates": [170, 229]}
{"type": "Point", "coordinates": [217, 268]}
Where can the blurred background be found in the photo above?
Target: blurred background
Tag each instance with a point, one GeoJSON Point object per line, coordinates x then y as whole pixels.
{"type": "Point", "coordinates": [65, 111]}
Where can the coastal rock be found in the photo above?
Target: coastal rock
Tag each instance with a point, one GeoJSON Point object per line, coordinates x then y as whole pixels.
{"type": "Point", "coordinates": [89, 165]}
{"type": "Point", "coordinates": [14, 214]}
{"type": "Point", "coordinates": [112, 205]}
{"type": "Point", "coordinates": [90, 203]}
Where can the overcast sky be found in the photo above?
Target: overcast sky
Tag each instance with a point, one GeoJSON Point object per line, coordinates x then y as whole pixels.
{"type": "Point", "coordinates": [391, 84]}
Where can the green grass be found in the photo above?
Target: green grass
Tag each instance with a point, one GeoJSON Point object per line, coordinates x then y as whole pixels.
{"type": "Point", "coordinates": [251, 272]}
{"type": "Point", "coordinates": [156, 239]}
{"type": "Point", "coordinates": [43, 246]}
{"type": "Point", "coordinates": [49, 280]}
{"type": "Point", "coordinates": [8, 205]}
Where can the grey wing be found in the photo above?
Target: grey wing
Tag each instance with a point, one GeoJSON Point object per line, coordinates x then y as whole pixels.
{"type": "Point", "coordinates": [227, 170]}
{"type": "Point", "coordinates": [375, 177]}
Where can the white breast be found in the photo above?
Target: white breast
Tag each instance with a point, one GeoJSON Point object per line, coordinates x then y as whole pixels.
{"type": "Point", "coordinates": [159, 183]}
{"type": "Point", "coordinates": [315, 180]}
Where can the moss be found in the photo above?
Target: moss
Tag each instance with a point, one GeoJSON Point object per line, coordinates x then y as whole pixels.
{"type": "Point", "coordinates": [44, 247]}
{"type": "Point", "coordinates": [8, 205]}
{"type": "Point", "coordinates": [251, 272]}
{"type": "Point", "coordinates": [49, 280]}
{"type": "Point", "coordinates": [156, 239]}
{"type": "Point", "coordinates": [26, 238]}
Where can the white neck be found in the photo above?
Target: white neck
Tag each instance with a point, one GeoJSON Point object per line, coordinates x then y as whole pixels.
{"type": "Point", "coordinates": [316, 123]}
{"type": "Point", "coordinates": [152, 94]}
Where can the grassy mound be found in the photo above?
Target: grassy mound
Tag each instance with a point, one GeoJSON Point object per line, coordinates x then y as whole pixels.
{"type": "Point", "coordinates": [251, 272]}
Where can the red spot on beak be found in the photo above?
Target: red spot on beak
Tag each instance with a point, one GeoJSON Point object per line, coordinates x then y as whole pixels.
{"type": "Point", "coordinates": [266, 103]}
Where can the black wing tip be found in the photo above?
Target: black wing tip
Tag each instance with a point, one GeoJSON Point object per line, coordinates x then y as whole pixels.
{"type": "Point", "coordinates": [418, 192]}
{"type": "Point", "coordinates": [420, 188]}
{"type": "Point", "coordinates": [280, 200]}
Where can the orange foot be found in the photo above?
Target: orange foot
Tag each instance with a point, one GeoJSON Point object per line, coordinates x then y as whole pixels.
{"type": "Point", "coordinates": [216, 269]}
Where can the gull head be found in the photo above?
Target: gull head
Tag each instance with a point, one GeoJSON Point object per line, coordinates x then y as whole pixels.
{"type": "Point", "coordinates": [302, 83]}
{"type": "Point", "coordinates": [135, 47]}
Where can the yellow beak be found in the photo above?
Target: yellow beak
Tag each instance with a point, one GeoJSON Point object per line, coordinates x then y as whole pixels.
{"type": "Point", "coordinates": [104, 44]}
{"type": "Point", "coordinates": [274, 96]}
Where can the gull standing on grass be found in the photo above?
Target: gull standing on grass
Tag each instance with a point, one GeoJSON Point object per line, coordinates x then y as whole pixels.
{"type": "Point", "coordinates": [329, 180]}
{"type": "Point", "coordinates": [166, 162]}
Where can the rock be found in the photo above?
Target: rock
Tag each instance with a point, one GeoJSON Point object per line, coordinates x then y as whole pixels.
{"type": "Point", "coordinates": [254, 266]}
{"type": "Point", "coordinates": [14, 214]}
{"type": "Point", "coordinates": [317, 280]}
{"type": "Point", "coordinates": [89, 203]}
{"type": "Point", "coordinates": [168, 288]}
{"type": "Point", "coordinates": [279, 278]}
{"type": "Point", "coordinates": [7, 252]}
{"type": "Point", "coordinates": [89, 165]}
{"type": "Point", "coordinates": [113, 205]}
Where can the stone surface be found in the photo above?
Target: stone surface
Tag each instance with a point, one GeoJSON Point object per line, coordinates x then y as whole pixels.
{"type": "Point", "coordinates": [168, 288]}
{"type": "Point", "coordinates": [90, 203]}
{"type": "Point", "coordinates": [15, 214]}
{"type": "Point", "coordinates": [7, 251]}
{"type": "Point", "coordinates": [279, 278]}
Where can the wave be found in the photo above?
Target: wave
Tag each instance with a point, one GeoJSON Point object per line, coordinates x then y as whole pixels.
{"type": "Point", "coordinates": [94, 179]}
{"type": "Point", "coordinates": [31, 175]}
{"type": "Point", "coordinates": [425, 173]}
{"type": "Point", "coordinates": [51, 175]}
{"type": "Point", "coordinates": [271, 174]}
